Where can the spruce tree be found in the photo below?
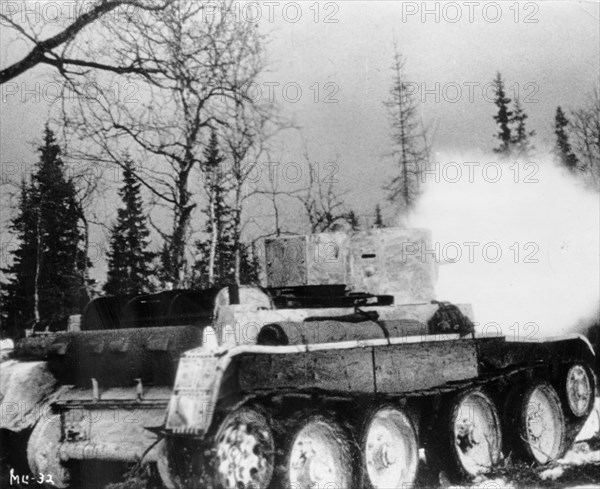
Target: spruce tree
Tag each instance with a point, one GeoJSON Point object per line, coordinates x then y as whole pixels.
{"type": "Point", "coordinates": [249, 265]}
{"type": "Point", "coordinates": [18, 304]}
{"type": "Point", "coordinates": [216, 253]}
{"type": "Point", "coordinates": [563, 145]}
{"type": "Point", "coordinates": [521, 139]}
{"type": "Point", "coordinates": [503, 118]}
{"type": "Point", "coordinates": [129, 260]}
{"type": "Point", "coordinates": [353, 221]}
{"type": "Point", "coordinates": [410, 145]}
{"type": "Point", "coordinates": [378, 222]}
{"type": "Point", "coordinates": [46, 278]}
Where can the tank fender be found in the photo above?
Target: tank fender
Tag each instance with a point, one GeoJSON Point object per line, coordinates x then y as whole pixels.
{"type": "Point", "coordinates": [195, 393]}
{"type": "Point", "coordinates": [26, 391]}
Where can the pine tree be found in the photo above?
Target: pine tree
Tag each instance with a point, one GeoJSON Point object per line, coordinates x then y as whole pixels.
{"type": "Point", "coordinates": [46, 278]}
{"type": "Point", "coordinates": [353, 221]}
{"type": "Point", "coordinates": [503, 118]}
{"type": "Point", "coordinates": [410, 141]}
{"type": "Point", "coordinates": [521, 139]}
{"type": "Point", "coordinates": [563, 145]}
{"type": "Point", "coordinates": [378, 222]}
{"type": "Point", "coordinates": [129, 260]}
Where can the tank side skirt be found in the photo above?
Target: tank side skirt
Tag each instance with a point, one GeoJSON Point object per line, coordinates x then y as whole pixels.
{"type": "Point", "coordinates": [387, 369]}
{"type": "Point", "coordinates": [338, 395]}
{"type": "Point", "coordinates": [187, 414]}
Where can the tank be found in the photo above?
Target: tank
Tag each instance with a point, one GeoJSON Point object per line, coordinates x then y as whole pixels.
{"type": "Point", "coordinates": [343, 370]}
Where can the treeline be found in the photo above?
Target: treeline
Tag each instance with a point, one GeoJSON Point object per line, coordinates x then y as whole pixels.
{"type": "Point", "coordinates": [577, 136]}
{"type": "Point", "coordinates": [576, 144]}
{"type": "Point", "coordinates": [49, 277]}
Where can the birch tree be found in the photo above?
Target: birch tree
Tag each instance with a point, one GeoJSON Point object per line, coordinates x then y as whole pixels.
{"type": "Point", "coordinates": [60, 49]}
{"type": "Point", "coordinates": [198, 67]}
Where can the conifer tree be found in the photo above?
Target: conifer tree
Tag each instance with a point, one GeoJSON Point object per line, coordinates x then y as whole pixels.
{"type": "Point", "coordinates": [18, 304]}
{"type": "Point", "coordinates": [129, 259]}
{"type": "Point", "coordinates": [503, 118]}
{"type": "Point", "coordinates": [521, 137]}
{"type": "Point", "coordinates": [563, 145]}
{"type": "Point", "coordinates": [216, 255]}
{"type": "Point", "coordinates": [378, 222]}
{"type": "Point", "coordinates": [411, 151]}
{"type": "Point", "coordinates": [353, 221]}
{"type": "Point", "coordinates": [46, 278]}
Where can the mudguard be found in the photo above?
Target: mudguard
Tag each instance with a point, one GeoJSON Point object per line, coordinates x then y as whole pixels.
{"type": "Point", "coordinates": [26, 391]}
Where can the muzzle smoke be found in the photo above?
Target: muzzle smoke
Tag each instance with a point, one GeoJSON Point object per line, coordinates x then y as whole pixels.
{"type": "Point", "coordinates": [519, 241]}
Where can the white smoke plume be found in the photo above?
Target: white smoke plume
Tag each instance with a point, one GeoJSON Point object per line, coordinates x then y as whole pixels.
{"type": "Point", "coordinates": [522, 239]}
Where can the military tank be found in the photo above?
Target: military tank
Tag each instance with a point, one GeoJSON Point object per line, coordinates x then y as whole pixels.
{"type": "Point", "coordinates": [342, 371]}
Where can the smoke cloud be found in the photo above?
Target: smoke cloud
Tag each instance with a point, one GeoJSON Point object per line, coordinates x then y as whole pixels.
{"type": "Point", "coordinates": [518, 241]}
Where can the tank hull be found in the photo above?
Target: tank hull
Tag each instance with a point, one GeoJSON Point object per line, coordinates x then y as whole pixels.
{"type": "Point", "coordinates": [279, 379]}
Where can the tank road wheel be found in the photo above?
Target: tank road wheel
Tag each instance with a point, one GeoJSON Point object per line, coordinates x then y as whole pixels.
{"type": "Point", "coordinates": [166, 467]}
{"type": "Point", "coordinates": [541, 424]}
{"type": "Point", "coordinates": [579, 390]}
{"type": "Point", "coordinates": [244, 451]}
{"type": "Point", "coordinates": [473, 434]}
{"type": "Point", "coordinates": [181, 463]}
{"type": "Point", "coordinates": [43, 452]}
{"type": "Point", "coordinates": [390, 449]}
{"type": "Point", "coordinates": [319, 456]}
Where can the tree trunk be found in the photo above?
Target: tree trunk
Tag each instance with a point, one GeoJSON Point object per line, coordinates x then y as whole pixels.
{"type": "Point", "coordinates": [214, 231]}
{"type": "Point", "coordinates": [36, 280]}
{"type": "Point", "coordinates": [237, 223]}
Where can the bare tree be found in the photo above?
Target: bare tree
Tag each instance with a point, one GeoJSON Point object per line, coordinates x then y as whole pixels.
{"type": "Point", "coordinates": [246, 139]}
{"type": "Point", "coordinates": [199, 66]}
{"type": "Point", "coordinates": [60, 49]}
{"type": "Point", "coordinates": [319, 200]}
{"type": "Point", "coordinates": [322, 203]}
{"type": "Point", "coordinates": [585, 129]}
{"type": "Point", "coordinates": [270, 189]}
{"type": "Point", "coordinates": [411, 150]}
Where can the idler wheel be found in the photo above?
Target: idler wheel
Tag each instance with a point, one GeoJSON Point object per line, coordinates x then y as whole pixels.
{"type": "Point", "coordinates": [579, 390]}
{"type": "Point", "coordinates": [319, 456]}
{"type": "Point", "coordinates": [541, 424]}
{"type": "Point", "coordinates": [244, 451]}
{"type": "Point", "coordinates": [390, 449]}
{"type": "Point", "coordinates": [43, 452]}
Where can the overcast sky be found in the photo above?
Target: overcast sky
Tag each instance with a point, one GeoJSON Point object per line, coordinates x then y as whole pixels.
{"type": "Point", "coordinates": [548, 52]}
{"type": "Point", "coordinates": [553, 61]}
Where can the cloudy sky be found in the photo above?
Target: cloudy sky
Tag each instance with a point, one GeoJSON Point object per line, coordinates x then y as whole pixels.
{"type": "Point", "coordinates": [329, 71]}
{"type": "Point", "coordinates": [550, 56]}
